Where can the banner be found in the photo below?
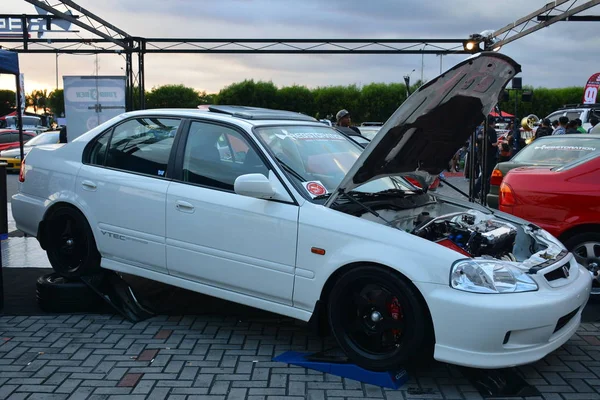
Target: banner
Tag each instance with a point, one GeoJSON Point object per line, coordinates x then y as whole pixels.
{"type": "Point", "coordinates": [91, 101]}
{"type": "Point", "coordinates": [591, 89]}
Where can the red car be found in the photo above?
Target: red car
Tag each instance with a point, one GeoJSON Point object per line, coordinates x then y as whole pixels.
{"type": "Point", "coordinates": [9, 138]}
{"type": "Point", "coordinates": [563, 200]}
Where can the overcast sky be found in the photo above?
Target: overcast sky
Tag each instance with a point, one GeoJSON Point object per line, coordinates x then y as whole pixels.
{"type": "Point", "coordinates": [564, 54]}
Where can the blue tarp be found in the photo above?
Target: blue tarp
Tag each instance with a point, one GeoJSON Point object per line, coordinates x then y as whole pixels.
{"type": "Point", "coordinates": [9, 62]}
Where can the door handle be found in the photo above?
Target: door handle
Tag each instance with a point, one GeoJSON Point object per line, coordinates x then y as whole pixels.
{"type": "Point", "coordinates": [88, 185]}
{"type": "Point", "coordinates": [184, 206]}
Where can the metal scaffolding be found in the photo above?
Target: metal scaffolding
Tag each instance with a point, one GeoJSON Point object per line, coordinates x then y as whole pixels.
{"type": "Point", "coordinates": [101, 37]}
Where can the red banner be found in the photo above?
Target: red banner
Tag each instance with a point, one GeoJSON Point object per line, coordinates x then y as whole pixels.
{"type": "Point", "coordinates": [591, 89]}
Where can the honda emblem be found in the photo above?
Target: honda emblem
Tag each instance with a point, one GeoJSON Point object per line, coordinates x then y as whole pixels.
{"type": "Point", "coordinates": [565, 269]}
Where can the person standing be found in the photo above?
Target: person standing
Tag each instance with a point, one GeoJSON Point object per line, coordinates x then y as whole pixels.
{"type": "Point", "coordinates": [572, 127]}
{"type": "Point", "coordinates": [491, 158]}
{"type": "Point", "coordinates": [593, 122]}
{"type": "Point", "coordinates": [544, 130]}
{"type": "Point", "coordinates": [580, 128]}
{"type": "Point", "coordinates": [562, 126]}
{"type": "Point", "coordinates": [344, 121]}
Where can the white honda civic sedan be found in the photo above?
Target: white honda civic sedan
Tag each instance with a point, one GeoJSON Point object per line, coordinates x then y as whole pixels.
{"type": "Point", "coordinates": [275, 210]}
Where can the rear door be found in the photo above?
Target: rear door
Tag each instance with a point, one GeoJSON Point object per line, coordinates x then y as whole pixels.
{"type": "Point", "coordinates": [123, 185]}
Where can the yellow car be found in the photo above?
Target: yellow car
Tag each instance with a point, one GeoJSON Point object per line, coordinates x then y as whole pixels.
{"type": "Point", "coordinates": [12, 157]}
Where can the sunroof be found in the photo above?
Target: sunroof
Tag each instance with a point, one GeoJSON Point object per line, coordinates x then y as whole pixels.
{"type": "Point", "coordinates": [257, 113]}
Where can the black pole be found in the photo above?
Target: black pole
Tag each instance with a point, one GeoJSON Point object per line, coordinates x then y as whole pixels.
{"type": "Point", "coordinates": [19, 111]}
{"type": "Point", "coordinates": [473, 160]}
{"type": "Point", "coordinates": [484, 159]}
{"type": "Point", "coordinates": [4, 225]}
{"type": "Point", "coordinates": [141, 77]}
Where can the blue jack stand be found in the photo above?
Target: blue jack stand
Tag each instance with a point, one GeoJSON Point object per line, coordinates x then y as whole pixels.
{"type": "Point", "coordinates": [333, 366]}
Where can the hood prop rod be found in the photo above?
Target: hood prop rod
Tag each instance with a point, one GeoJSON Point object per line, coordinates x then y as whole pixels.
{"type": "Point", "coordinates": [369, 209]}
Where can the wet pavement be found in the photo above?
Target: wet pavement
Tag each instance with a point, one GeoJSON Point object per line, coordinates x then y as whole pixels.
{"type": "Point", "coordinates": [216, 354]}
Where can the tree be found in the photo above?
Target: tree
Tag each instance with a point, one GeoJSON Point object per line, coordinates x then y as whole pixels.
{"type": "Point", "coordinates": [56, 102]}
{"type": "Point", "coordinates": [249, 93]}
{"type": "Point", "coordinates": [8, 101]}
{"type": "Point", "coordinates": [296, 98]}
{"type": "Point", "coordinates": [172, 96]}
{"type": "Point", "coordinates": [378, 101]}
{"type": "Point", "coordinates": [330, 99]}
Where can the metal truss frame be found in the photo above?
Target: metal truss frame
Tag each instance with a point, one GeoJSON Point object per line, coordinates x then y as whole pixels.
{"type": "Point", "coordinates": [105, 38]}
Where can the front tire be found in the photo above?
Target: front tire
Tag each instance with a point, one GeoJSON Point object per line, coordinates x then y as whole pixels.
{"type": "Point", "coordinates": [377, 318]}
{"type": "Point", "coordinates": [70, 243]}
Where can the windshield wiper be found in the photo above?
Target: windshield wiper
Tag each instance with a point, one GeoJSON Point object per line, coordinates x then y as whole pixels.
{"type": "Point", "coordinates": [454, 187]}
{"type": "Point", "coordinates": [290, 170]}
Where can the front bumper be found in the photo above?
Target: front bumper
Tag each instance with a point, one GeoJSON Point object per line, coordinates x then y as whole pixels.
{"type": "Point", "coordinates": [13, 164]}
{"type": "Point", "coordinates": [505, 330]}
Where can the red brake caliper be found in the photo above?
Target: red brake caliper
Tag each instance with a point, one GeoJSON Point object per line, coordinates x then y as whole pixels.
{"type": "Point", "coordinates": [396, 312]}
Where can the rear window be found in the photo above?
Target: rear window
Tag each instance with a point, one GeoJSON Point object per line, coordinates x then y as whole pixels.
{"type": "Point", "coordinates": [557, 151]}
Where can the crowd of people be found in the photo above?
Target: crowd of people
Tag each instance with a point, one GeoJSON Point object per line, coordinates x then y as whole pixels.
{"type": "Point", "coordinates": [501, 148]}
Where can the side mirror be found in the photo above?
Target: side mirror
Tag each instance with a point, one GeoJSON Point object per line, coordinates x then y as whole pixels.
{"type": "Point", "coordinates": [254, 185]}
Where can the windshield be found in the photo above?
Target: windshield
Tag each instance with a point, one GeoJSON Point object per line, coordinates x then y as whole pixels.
{"type": "Point", "coordinates": [557, 151]}
{"type": "Point", "coordinates": [44, 138]}
{"type": "Point", "coordinates": [318, 158]}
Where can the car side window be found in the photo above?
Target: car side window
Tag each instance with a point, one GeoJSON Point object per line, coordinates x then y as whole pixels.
{"type": "Point", "coordinates": [141, 145]}
{"type": "Point", "coordinates": [97, 154]}
{"type": "Point", "coordinates": [5, 138]}
{"type": "Point", "coordinates": [216, 155]}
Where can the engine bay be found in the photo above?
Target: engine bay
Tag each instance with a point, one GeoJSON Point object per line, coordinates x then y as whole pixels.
{"type": "Point", "coordinates": [474, 237]}
{"type": "Point", "coordinates": [470, 232]}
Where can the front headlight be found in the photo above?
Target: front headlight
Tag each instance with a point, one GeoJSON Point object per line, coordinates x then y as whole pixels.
{"type": "Point", "coordinates": [490, 276]}
{"type": "Point", "coordinates": [17, 157]}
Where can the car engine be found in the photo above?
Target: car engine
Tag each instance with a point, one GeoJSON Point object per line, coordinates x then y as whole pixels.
{"type": "Point", "coordinates": [474, 237]}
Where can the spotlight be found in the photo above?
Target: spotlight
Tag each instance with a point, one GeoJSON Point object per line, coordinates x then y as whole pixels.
{"type": "Point", "coordinates": [472, 46]}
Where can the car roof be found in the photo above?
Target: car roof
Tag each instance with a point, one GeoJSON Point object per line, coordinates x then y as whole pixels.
{"type": "Point", "coordinates": [246, 115]}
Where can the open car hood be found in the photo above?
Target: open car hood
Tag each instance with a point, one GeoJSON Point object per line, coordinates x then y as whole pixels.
{"type": "Point", "coordinates": [434, 122]}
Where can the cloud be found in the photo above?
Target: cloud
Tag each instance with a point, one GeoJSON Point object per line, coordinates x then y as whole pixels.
{"type": "Point", "coordinates": [561, 55]}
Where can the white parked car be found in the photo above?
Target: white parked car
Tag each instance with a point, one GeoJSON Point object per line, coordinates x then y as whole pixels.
{"type": "Point", "coordinates": [299, 220]}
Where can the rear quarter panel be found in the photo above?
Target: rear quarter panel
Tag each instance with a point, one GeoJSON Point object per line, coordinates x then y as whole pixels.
{"type": "Point", "coordinates": [50, 172]}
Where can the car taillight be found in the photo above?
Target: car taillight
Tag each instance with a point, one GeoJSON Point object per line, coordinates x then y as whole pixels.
{"type": "Point", "coordinates": [507, 197]}
{"type": "Point", "coordinates": [22, 171]}
{"type": "Point", "coordinates": [413, 181]}
{"type": "Point", "coordinates": [496, 178]}
{"type": "Point", "coordinates": [435, 183]}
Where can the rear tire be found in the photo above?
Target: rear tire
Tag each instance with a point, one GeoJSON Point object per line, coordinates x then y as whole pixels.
{"type": "Point", "coordinates": [56, 294]}
{"type": "Point", "coordinates": [361, 316]}
{"type": "Point", "coordinates": [70, 243]}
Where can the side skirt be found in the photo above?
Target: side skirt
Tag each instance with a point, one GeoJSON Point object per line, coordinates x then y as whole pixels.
{"type": "Point", "coordinates": [208, 290]}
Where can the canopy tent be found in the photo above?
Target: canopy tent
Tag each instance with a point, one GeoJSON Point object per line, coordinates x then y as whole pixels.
{"type": "Point", "coordinates": [504, 114]}
{"type": "Point", "coordinates": [9, 64]}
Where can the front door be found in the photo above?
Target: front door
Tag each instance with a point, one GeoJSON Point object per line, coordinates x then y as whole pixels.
{"type": "Point", "coordinates": [123, 187]}
{"type": "Point", "coordinates": [219, 238]}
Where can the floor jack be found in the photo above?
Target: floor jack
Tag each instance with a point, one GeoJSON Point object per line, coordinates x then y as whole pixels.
{"type": "Point", "coordinates": [340, 365]}
{"type": "Point", "coordinates": [115, 291]}
{"type": "Point", "coordinates": [118, 294]}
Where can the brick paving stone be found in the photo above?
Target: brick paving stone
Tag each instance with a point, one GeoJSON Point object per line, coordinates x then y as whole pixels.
{"type": "Point", "coordinates": [210, 356]}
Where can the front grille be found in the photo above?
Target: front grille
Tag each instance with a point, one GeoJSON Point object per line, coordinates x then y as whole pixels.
{"type": "Point", "coordinates": [562, 321]}
{"type": "Point", "coordinates": [559, 273]}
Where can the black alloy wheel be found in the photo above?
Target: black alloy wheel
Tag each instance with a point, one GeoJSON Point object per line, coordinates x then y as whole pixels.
{"type": "Point", "coordinates": [377, 318]}
{"type": "Point", "coordinates": [586, 249]}
{"type": "Point", "coordinates": [70, 245]}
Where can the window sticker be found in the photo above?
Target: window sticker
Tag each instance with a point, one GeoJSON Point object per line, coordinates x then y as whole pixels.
{"type": "Point", "coordinates": [573, 148]}
{"type": "Point", "coordinates": [314, 136]}
{"type": "Point", "coordinates": [315, 188]}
